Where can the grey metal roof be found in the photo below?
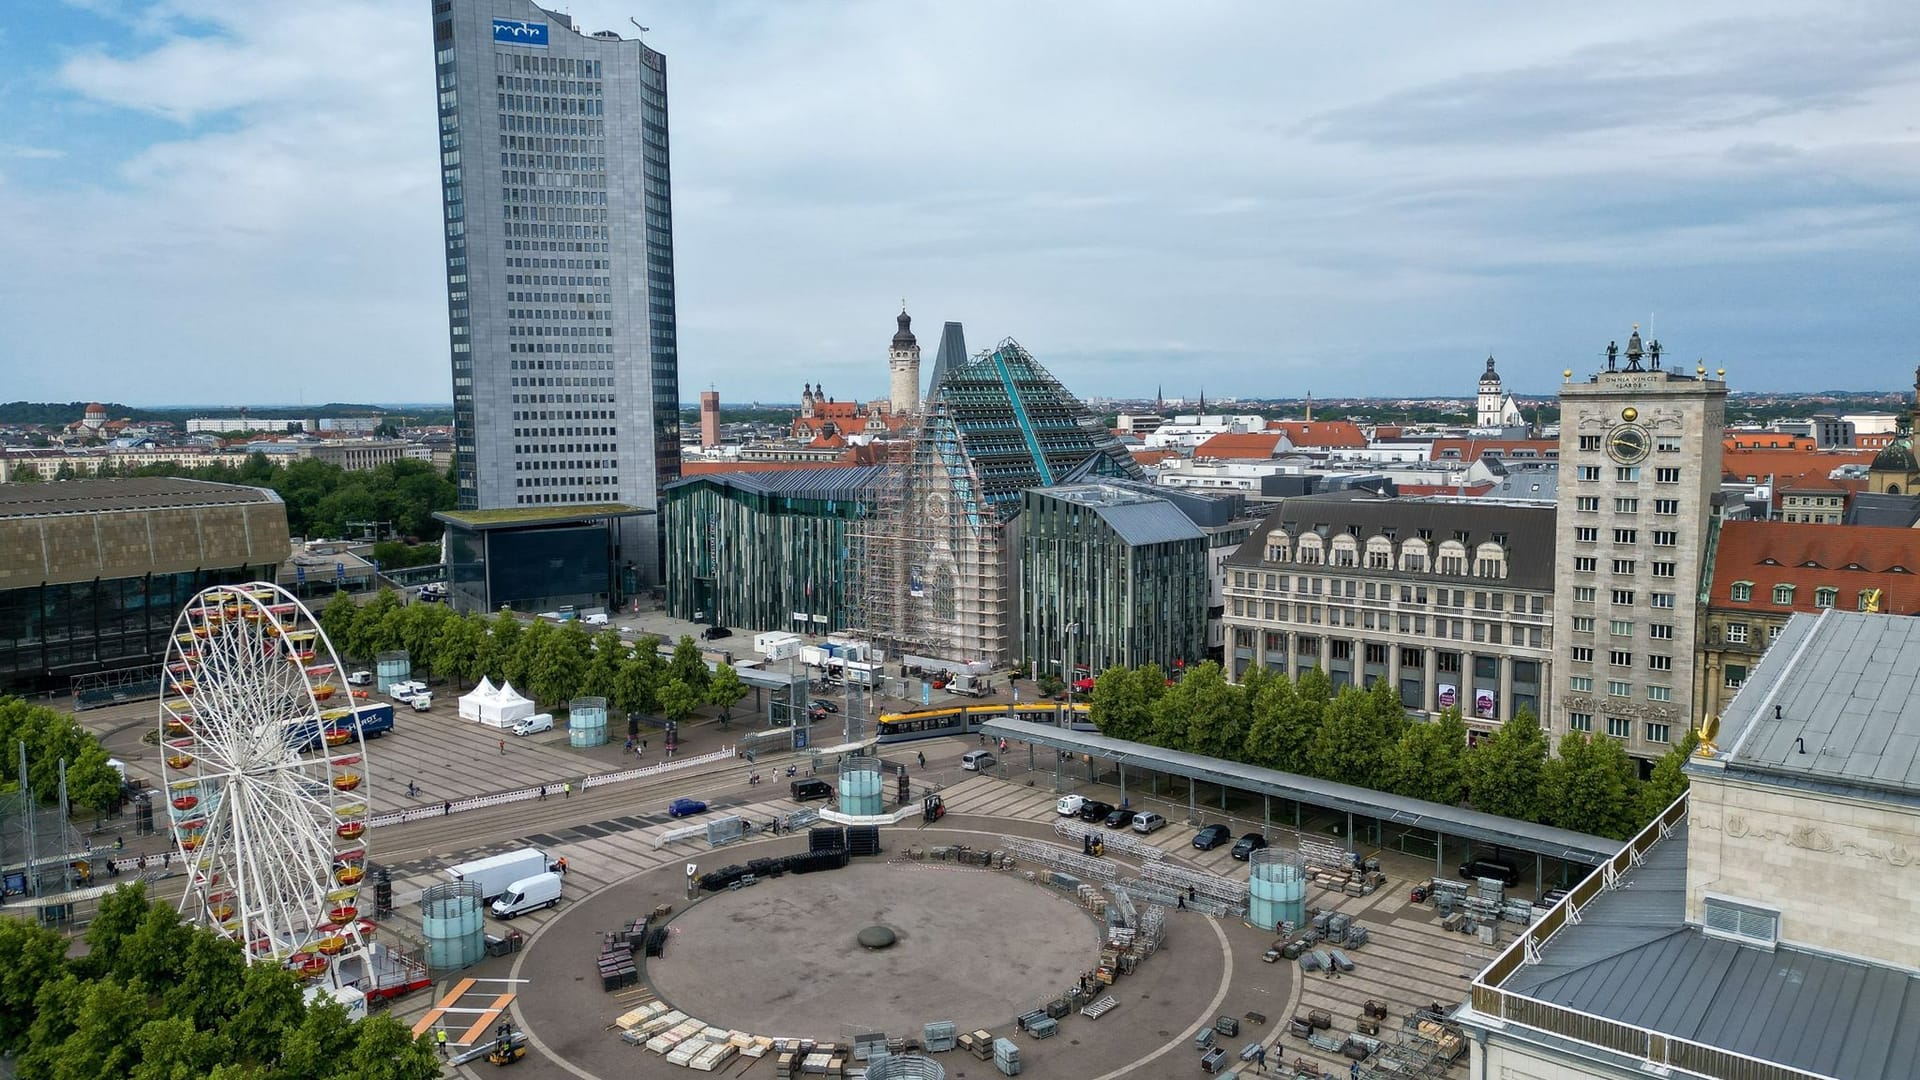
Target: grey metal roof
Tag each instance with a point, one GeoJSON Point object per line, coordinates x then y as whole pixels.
{"type": "Point", "coordinates": [1135, 511]}
{"type": "Point", "coordinates": [1879, 508]}
{"type": "Point", "coordinates": [1414, 813]}
{"type": "Point", "coordinates": [848, 482]}
{"type": "Point", "coordinates": [56, 497]}
{"type": "Point", "coordinates": [1528, 529]}
{"type": "Point", "coordinates": [1833, 703]}
{"type": "Point", "coordinates": [1632, 958]}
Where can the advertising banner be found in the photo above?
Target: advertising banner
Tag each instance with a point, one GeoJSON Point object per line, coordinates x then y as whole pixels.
{"type": "Point", "coordinates": [520, 32]}
{"type": "Point", "coordinates": [1483, 703]}
{"type": "Point", "coordinates": [1449, 695]}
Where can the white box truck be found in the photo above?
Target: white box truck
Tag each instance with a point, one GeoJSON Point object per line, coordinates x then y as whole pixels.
{"type": "Point", "coordinates": [528, 894]}
{"type": "Point", "coordinates": [495, 872]}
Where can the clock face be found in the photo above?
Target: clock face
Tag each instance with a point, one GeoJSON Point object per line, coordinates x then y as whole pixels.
{"type": "Point", "coordinates": [1627, 443]}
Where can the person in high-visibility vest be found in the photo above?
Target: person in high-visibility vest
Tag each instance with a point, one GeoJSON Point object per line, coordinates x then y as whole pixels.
{"type": "Point", "coordinates": [440, 1037]}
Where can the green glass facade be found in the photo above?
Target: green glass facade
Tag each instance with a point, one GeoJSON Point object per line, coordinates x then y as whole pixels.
{"type": "Point", "coordinates": [766, 551]}
{"type": "Point", "coordinates": [1129, 568]}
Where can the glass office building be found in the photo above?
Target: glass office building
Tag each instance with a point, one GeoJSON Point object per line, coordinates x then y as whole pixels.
{"type": "Point", "coordinates": [540, 560]}
{"type": "Point", "coordinates": [559, 255]}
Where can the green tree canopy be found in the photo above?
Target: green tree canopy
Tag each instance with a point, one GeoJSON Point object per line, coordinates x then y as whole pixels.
{"type": "Point", "coordinates": [1506, 770]}
{"type": "Point", "coordinates": [678, 700]}
{"type": "Point", "coordinates": [1122, 700]}
{"type": "Point", "coordinates": [52, 737]}
{"type": "Point", "coordinates": [1669, 779]}
{"type": "Point", "coordinates": [1591, 787]}
{"type": "Point", "coordinates": [1347, 747]}
{"type": "Point", "coordinates": [557, 671]}
{"type": "Point", "coordinates": [1429, 761]}
{"type": "Point", "coordinates": [1203, 713]}
{"type": "Point", "coordinates": [725, 689]}
{"type": "Point", "coordinates": [603, 666]}
{"type": "Point", "coordinates": [456, 648]}
{"type": "Point", "coordinates": [688, 665]}
{"type": "Point", "coordinates": [636, 690]}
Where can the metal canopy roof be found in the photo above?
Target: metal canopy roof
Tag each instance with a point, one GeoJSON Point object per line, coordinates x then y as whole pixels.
{"type": "Point", "coordinates": [1398, 809]}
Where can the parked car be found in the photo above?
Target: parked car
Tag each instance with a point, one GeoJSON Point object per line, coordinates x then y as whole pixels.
{"type": "Point", "coordinates": [685, 807]}
{"type": "Point", "coordinates": [1069, 805]}
{"type": "Point", "coordinates": [715, 633]}
{"type": "Point", "coordinates": [1212, 837]}
{"type": "Point", "coordinates": [802, 790]}
{"type": "Point", "coordinates": [1147, 822]}
{"type": "Point", "coordinates": [1119, 819]}
{"type": "Point", "coordinates": [1095, 810]}
{"type": "Point", "coordinates": [978, 760]}
{"type": "Point", "coordinates": [1485, 866]}
{"type": "Point", "coordinates": [825, 704]}
{"type": "Point", "coordinates": [1249, 843]}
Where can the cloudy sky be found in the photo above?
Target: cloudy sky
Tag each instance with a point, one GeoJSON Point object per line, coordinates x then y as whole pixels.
{"type": "Point", "coordinates": [211, 201]}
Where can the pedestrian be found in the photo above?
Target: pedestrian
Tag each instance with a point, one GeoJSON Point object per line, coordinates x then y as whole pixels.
{"type": "Point", "coordinates": [566, 790]}
{"type": "Point", "coordinates": [446, 808]}
{"type": "Point", "coordinates": [922, 755]}
{"type": "Point", "coordinates": [1353, 1071]}
{"type": "Point", "coordinates": [643, 746]}
{"type": "Point", "coordinates": [119, 843]}
{"type": "Point", "coordinates": [503, 748]}
{"type": "Point", "coordinates": [1193, 893]}
{"type": "Point", "coordinates": [1180, 902]}
{"type": "Point", "coordinates": [563, 865]}
{"type": "Point", "coordinates": [543, 793]}
{"type": "Point", "coordinates": [440, 1037]}
{"type": "Point", "coordinates": [87, 843]}
{"type": "Point", "coordinates": [983, 738]}
{"type": "Point", "coordinates": [413, 790]}
{"type": "Point", "coordinates": [1260, 1055]}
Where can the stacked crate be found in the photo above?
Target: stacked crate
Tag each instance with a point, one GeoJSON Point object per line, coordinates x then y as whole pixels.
{"type": "Point", "coordinates": [1006, 1057]}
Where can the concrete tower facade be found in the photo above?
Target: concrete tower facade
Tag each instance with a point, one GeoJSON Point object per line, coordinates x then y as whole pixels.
{"type": "Point", "coordinates": [555, 181]}
{"type": "Point", "coordinates": [903, 363]}
{"type": "Point", "coordinates": [1640, 458]}
{"type": "Point", "coordinates": [709, 418]}
{"type": "Point", "coordinates": [1490, 397]}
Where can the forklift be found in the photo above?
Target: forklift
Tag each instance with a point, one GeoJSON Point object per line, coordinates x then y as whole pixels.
{"type": "Point", "coordinates": [933, 808]}
{"type": "Point", "coordinates": [509, 1045]}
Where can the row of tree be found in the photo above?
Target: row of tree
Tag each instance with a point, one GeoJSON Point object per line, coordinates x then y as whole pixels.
{"type": "Point", "coordinates": [551, 663]}
{"type": "Point", "coordinates": [154, 998]}
{"type": "Point", "coordinates": [51, 737]}
{"type": "Point", "coordinates": [1365, 737]}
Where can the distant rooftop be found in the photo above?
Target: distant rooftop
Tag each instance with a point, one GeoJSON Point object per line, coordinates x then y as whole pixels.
{"type": "Point", "coordinates": [535, 515]}
{"type": "Point", "coordinates": [53, 497]}
{"type": "Point", "coordinates": [1137, 514]}
{"type": "Point", "coordinates": [1832, 705]}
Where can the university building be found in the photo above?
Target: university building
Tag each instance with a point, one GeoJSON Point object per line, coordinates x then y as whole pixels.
{"type": "Point", "coordinates": [1450, 600]}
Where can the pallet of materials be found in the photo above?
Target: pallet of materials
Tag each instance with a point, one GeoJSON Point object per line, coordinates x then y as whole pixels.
{"type": "Point", "coordinates": [641, 1015]}
{"type": "Point", "coordinates": [660, 1022]}
{"type": "Point", "coordinates": [664, 1042]}
{"type": "Point", "coordinates": [712, 1057]}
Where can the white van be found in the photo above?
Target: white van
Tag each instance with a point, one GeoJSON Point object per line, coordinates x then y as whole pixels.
{"type": "Point", "coordinates": [534, 724]}
{"type": "Point", "coordinates": [528, 894]}
{"type": "Point", "coordinates": [978, 760]}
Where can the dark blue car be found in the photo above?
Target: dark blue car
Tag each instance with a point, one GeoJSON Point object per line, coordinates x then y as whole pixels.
{"type": "Point", "coordinates": [686, 808]}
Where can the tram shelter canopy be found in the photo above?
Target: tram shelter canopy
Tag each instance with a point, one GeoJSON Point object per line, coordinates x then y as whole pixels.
{"type": "Point", "coordinates": [1563, 844]}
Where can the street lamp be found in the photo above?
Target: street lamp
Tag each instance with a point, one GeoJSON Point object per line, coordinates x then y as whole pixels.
{"type": "Point", "coordinates": [1072, 629]}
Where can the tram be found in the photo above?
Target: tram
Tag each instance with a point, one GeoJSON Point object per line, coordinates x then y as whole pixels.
{"type": "Point", "coordinates": [966, 719]}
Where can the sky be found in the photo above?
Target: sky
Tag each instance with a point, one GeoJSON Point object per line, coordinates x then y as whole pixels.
{"type": "Point", "coordinates": [219, 202]}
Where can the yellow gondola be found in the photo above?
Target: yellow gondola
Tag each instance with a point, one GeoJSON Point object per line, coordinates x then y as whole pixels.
{"type": "Point", "coordinates": [346, 781]}
{"type": "Point", "coordinates": [331, 945]}
{"type": "Point", "coordinates": [349, 875]}
{"type": "Point", "coordinates": [179, 761]}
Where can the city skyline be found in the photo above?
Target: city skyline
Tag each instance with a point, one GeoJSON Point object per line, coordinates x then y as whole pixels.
{"type": "Point", "coordinates": [1228, 192]}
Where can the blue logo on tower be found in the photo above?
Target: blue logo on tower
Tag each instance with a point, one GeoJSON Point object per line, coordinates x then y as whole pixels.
{"type": "Point", "coordinates": [520, 32]}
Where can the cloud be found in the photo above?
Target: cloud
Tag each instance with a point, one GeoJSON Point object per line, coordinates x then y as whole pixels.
{"type": "Point", "coordinates": [1263, 198]}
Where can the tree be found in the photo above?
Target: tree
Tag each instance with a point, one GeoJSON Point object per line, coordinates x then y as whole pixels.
{"type": "Point", "coordinates": [636, 689]}
{"type": "Point", "coordinates": [1505, 770]}
{"type": "Point", "coordinates": [420, 632]}
{"type": "Point", "coordinates": [337, 620]}
{"type": "Point", "coordinates": [1203, 714]}
{"type": "Point", "coordinates": [1591, 787]}
{"type": "Point", "coordinates": [1429, 761]}
{"type": "Point", "coordinates": [519, 664]}
{"type": "Point", "coordinates": [30, 958]}
{"type": "Point", "coordinates": [1347, 746]}
{"type": "Point", "coordinates": [1120, 705]}
{"type": "Point", "coordinates": [51, 738]}
{"type": "Point", "coordinates": [456, 647]}
{"type": "Point", "coordinates": [678, 699]}
{"type": "Point", "coordinates": [1668, 782]}
{"type": "Point", "coordinates": [372, 633]}
{"type": "Point", "coordinates": [603, 668]}
{"type": "Point", "coordinates": [1388, 715]}
{"type": "Point", "coordinates": [556, 671]}
{"type": "Point", "coordinates": [503, 636]}
{"type": "Point", "coordinates": [688, 665]}
{"type": "Point", "coordinates": [725, 690]}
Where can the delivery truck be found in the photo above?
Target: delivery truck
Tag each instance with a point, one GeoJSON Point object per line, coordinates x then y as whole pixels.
{"type": "Point", "coordinates": [496, 872]}
{"type": "Point", "coordinates": [528, 894]}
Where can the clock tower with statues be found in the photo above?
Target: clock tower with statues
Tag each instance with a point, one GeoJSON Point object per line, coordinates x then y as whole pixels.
{"type": "Point", "coordinates": [1640, 453]}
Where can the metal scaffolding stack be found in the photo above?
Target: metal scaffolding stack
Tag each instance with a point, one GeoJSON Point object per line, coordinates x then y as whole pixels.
{"type": "Point", "coordinates": [1062, 860]}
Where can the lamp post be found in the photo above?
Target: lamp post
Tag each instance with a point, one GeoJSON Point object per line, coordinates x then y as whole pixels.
{"type": "Point", "coordinates": [1072, 629]}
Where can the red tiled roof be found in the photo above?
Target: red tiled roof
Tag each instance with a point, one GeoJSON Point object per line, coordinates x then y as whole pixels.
{"type": "Point", "coordinates": [1334, 434]}
{"type": "Point", "coordinates": [1236, 446]}
{"type": "Point", "coordinates": [1153, 457]}
{"type": "Point", "coordinates": [1768, 440]}
{"type": "Point", "coordinates": [1475, 449]}
{"type": "Point", "coordinates": [1849, 558]}
{"type": "Point", "coordinates": [1738, 465]}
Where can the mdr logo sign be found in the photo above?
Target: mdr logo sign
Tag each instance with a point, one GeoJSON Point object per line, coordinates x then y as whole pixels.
{"type": "Point", "coordinates": [520, 32]}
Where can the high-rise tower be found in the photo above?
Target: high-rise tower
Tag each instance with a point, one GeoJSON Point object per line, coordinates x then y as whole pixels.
{"type": "Point", "coordinates": [1489, 410]}
{"type": "Point", "coordinates": [559, 234]}
{"type": "Point", "coordinates": [903, 363]}
{"type": "Point", "coordinates": [1640, 451]}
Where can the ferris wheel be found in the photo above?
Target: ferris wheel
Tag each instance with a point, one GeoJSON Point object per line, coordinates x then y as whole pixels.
{"type": "Point", "coordinates": [265, 770]}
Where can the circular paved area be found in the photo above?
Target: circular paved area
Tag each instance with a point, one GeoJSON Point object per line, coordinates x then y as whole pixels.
{"type": "Point", "coordinates": [783, 957]}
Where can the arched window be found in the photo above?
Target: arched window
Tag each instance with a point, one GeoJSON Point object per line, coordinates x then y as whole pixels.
{"type": "Point", "coordinates": [1490, 561]}
{"type": "Point", "coordinates": [1311, 551]}
{"type": "Point", "coordinates": [1414, 556]}
{"type": "Point", "coordinates": [1452, 558]}
{"type": "Point", "coordinates": [1279, 546]}
{"type": "Point", "coordinates": [1346, 551]}
{"type": "Point", "coordinates": [1379, 553]}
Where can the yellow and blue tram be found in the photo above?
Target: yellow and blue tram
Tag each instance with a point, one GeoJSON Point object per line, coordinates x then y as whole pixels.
{"type": "Point", "coordinates": [966, 719]}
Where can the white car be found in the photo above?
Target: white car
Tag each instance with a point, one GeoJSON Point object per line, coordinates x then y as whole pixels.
{"type": "Point", "coordinates": [1069, 805]}
{"type": "Point", "coordinates": [421, 702]}
{"type": "Point", "coordinates": [360, 678]}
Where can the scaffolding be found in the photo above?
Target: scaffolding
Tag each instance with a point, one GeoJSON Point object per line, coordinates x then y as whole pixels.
{"type": "Point", "coordinates": [935, 558]}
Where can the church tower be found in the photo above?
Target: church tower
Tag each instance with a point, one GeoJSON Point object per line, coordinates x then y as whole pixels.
{"type": "Point", "coordinates": [1490, 398]}
{"type": "Point", "coordinates": [903, 363]}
